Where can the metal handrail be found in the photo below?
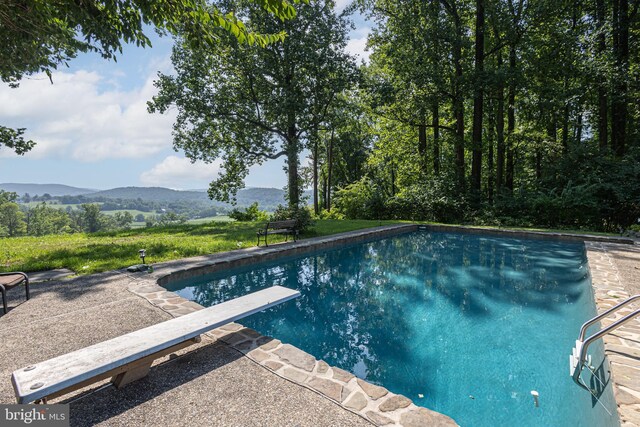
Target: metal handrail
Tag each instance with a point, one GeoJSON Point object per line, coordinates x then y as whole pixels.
{"type": "Point", "coordinates": [582, 345]}
{"type": "Point", "coordinates": [585, 326]}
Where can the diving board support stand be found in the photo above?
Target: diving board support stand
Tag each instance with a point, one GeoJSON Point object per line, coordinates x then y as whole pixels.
{"type": "Point", "coordinates": [129, 357]}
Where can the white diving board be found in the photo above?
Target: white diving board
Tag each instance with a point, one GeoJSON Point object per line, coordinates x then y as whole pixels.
{"type": "Point", "coordinates": [129, 357]}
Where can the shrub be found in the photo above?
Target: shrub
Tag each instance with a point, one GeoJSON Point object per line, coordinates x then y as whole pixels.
{"type": "Point", "coordinates": [252, 213]}
{"type": "Point", "coordinates": [302, 216]}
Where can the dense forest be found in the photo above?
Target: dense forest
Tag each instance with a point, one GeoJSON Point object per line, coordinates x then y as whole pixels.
{"type": "Point", "coordinates": [502, 112]}
{"type": "Point", "coordinates": [498, 112]}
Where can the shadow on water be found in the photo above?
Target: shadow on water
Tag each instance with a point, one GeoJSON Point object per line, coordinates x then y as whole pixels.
{"type": "Point", "coordinates": [351, 295]}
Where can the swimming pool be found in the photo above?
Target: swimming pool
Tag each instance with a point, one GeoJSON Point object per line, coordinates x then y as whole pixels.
{"type": "Point", "coordinates": [464, 324]}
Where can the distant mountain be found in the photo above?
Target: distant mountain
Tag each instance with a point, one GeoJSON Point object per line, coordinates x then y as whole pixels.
{"type": "Point", "coordinates": [156, 194]}
{"type": "Point", "coordinates": [40, 189]}
{"type": "Point", "coordinates": [267, 198]}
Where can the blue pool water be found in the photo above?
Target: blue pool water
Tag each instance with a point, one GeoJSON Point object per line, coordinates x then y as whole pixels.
{"type": "Point", "coordinates": [471, 323]}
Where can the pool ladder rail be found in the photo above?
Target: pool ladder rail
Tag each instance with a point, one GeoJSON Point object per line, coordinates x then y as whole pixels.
{"type": "Point", "coordinates": [579, 358]}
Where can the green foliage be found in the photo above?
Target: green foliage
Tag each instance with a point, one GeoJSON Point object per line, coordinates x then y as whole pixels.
{"type": "Point", "coordinates": [40, 35]}
{"type": "Point", "coordinates": [245, 105]}
{"type": "Point", "coordinates": [13, 139]}
{"type": "Point", "coordinates": [302, 215]}
{"type": "Point", "coordinates": [325, 214]}
{"type": "Point", "coordinates": [430, 202]}
{"type": "Point", "coordinates": [8, 196]}
{"type": "Point", "coordinates": [49, 33]}
{"type": "Point", "coordinates": [604, 196]}
{"type": "Point", "coordinates": [169, 218]}
{"type": "Point", "coordinates": [124, 219]}
{"type": "Point", "coordinates": [11, 220]}
{"type": "Point", "coordinates": [359, 200]}
{"type": "Point", "coordinates": [252, 213]}
{"type": "Point", "coordinates": [43, 219]}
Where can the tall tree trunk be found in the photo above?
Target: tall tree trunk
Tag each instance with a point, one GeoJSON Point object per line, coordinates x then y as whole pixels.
{"type": "Point", "coordinates": [619, 108]}
{"type": "Point", "coordinates": [329, 170]}
{"type": "Point", "coordinates": [292, 166]}
{"type": "Point", "coordinates": [565, 116]}
{"type": "Point", "coordinates": [478, 103]}
{"type": "Point", "coordinates": [500, 131]}
{"type": "Point", "coordinates": [565, 129]}
{"type": "Point", "coordinates": [603, 120]}
{"type": "Point", "coordinates": [324, 192]}
{"type": "Point", "coordinates": [316, 207]}
{"type": "Point", "coordinates": [422, 147]}
{"type": "Point", "coordinates": [393, 179]}
{"type": "Point", "coordinates": [458, 101]}
{"type": "Point", "coordinates": [511, 119]}
{"type": "Point", "coordinates": [436, 138]}
{"type": "Point", "coordinates": [490, 166]}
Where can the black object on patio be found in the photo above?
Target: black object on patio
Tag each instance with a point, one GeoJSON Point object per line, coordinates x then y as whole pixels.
{"type": "Point", "coordinates": [11, 280]}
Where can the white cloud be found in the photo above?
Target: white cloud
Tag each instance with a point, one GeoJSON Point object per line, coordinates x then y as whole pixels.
{"type": "Point", "coordinates": [78, 117]}
{"type": "Point", "coordinates": [179, 172]}
{"type": "Point", "coordinates": [358, 43]}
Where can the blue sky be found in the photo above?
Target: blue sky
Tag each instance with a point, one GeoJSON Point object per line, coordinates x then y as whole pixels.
{"type": "Point", "coordinates": [93, 131]}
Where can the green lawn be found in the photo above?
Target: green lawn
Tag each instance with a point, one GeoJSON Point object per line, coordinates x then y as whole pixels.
{"type": "Point", "coordinates": [91, 253]}
{"type": "Point", "coordinates": [219, 218]}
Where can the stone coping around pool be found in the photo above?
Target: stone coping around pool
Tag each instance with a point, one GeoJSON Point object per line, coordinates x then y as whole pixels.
{"type": "Point", "coordinates": [546, 235]}
{"type": "Point", "coordinates": [187, 268]}
{"type": "Point", "coordinates": [372, 402]}
{"type": "Point", "coordinates": [622, 348]}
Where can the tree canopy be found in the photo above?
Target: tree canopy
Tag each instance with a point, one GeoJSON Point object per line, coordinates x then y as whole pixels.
{"type": "Point", "coordinates": [40, 35]}
{"type": "Point", "coordinates": [247, 104]}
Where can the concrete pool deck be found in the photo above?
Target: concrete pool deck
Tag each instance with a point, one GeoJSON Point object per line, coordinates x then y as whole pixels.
{"type": "Point", "coordinates": [236, 376]}
{"type": "Point", "coordinates": [209, 384]}
{"type": "Point", "coordinates": [615, 276]}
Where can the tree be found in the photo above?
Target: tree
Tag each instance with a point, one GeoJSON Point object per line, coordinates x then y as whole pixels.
{"type": "Point", "coordinates": [43, 219]}
{"type": "Point", "coordinates": [124, 219]}
{"type": "Point", "coordinates": [91, 217]}
{"type": "Point", "coordinates": [247, 105]}
{"type": "Point", "coordinates": [40, 35]}
{"type": "Point", "coordinates": [11, 219]}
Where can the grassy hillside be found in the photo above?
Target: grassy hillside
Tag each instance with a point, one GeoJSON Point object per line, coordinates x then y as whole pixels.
{"type": "Point", "coordinates": [91, 253]}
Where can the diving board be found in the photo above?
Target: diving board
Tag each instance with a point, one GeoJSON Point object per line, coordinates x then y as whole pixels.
{"type": "Point", "coordinates": [129, 357]}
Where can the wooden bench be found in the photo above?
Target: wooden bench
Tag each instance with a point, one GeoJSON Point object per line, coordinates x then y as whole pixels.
{"type": "Point", "coordinates": [287, 227]}
{"type": "Point", "coordinates": [129, 357]}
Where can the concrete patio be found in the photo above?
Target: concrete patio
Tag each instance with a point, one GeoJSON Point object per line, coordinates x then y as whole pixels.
{"type": "Point", "coordinates": [212, 384]}
{"type": "Point", "coordinates": [231, 378]}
